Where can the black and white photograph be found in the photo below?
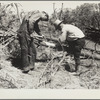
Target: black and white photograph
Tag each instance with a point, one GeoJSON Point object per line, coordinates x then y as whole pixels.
{"type": "Point", "coordinates": [51, 45]}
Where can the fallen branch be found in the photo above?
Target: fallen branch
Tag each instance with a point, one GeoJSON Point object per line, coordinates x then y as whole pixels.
{"type": "Point", "coordinates": [8, 41]}
{"type": "Point", "coordinates": [44, 72]}
{"type": "Point", "coordinates": [91, 55]}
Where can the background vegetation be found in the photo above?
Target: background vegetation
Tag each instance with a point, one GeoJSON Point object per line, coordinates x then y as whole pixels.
{"type": "Point", "coordinates": [51, 73]}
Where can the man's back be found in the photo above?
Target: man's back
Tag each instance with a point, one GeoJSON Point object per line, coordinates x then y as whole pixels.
{"type": "Point", "coordinates": [72, 32]}
{"type": "Point", "coordinates": [29, 20]}
{"type": "Point", "coordinates": [32, 15]}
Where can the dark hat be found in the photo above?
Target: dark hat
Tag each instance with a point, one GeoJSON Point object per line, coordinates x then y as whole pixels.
{"type": "Point", "coordinates": [57, 23]}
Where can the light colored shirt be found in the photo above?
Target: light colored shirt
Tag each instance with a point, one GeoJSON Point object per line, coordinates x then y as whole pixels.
{"type": "Point", "coordinates": [70, 33]}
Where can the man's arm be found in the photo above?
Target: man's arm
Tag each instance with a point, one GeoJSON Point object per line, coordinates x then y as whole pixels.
{"type": "Point", "coordinates": [62, 37]}
{"type": "Point", "coordinates": [36, 28]}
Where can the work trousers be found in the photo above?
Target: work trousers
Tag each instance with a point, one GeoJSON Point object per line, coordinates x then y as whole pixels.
{"type": "Point", "coordinates": [28, 50]}
{"type": "Point", "coordinates": [75, 48]}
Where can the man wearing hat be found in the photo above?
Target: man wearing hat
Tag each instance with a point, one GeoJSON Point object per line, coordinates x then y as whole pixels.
{"type": "Point", "coordinates": [74, 37]}
{"type": "Point", "coordinates": [27, 28]}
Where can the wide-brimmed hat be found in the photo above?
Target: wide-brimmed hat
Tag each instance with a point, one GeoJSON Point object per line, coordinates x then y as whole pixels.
{"type": "Point", "coordinates": [57, 23]}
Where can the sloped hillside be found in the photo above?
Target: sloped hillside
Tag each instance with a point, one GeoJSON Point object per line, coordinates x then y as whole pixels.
{"type": "Point", "coordinates": [48, 73]}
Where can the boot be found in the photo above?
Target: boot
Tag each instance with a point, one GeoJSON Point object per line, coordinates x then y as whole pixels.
{"type": "Point", "coordinates": [76, 67]}
{"type": "Point", "coordinates": [26, 69]}
{"type": "Point", "coordinates": [31, 67]}
{"type": "Point", "coordinates": [77, 70]}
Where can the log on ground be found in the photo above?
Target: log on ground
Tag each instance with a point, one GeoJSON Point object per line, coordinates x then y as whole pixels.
{"type": "Point", "coordinates": [90, 54]}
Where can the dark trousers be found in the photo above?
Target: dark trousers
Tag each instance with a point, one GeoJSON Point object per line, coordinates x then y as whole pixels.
{"type": "Point", "coordinates": [75, 48]}
{"type": "Point", "coordinates": [28, 50]}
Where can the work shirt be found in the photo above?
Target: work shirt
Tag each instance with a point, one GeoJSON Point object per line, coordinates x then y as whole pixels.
{"type": "Point", "coordinates": [32, 18]}
{"type": "Point", "coordinates": [70, 33]}
{"type": "Point", "coordinates": [30, 22]}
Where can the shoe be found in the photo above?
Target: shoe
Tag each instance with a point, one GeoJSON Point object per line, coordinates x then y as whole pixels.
{"type": "Point", "coordinates": [75, 74]}
{"type": "Point", "coordinates": [26, 70]}
{"type": "Point", "coordinates": [72, 70]}
{"type": "Point", "coordinates": [31, 67]}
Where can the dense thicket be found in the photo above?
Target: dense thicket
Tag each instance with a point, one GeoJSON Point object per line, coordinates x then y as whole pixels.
{"type": "Point", "coordinates": [86, 17]}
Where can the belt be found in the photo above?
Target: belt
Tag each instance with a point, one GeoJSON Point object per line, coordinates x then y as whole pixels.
{"type": "Point", "coordinates": [80, 38]}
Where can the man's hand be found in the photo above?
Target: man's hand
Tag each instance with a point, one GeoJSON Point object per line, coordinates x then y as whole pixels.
{"type": "Point", "coordinates": [40, 36]}
{"type": "Point", "coordinates": [43, 37]}
{"type": "Point", "coordinates": [32, 35]}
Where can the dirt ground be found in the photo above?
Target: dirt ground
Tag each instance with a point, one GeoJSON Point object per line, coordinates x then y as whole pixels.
{"type": "Point", "coordinates": [49, 74]}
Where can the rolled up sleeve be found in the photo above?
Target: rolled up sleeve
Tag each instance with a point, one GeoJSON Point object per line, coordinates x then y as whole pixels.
{"type": "Point", "coordinates": [62, 37]}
